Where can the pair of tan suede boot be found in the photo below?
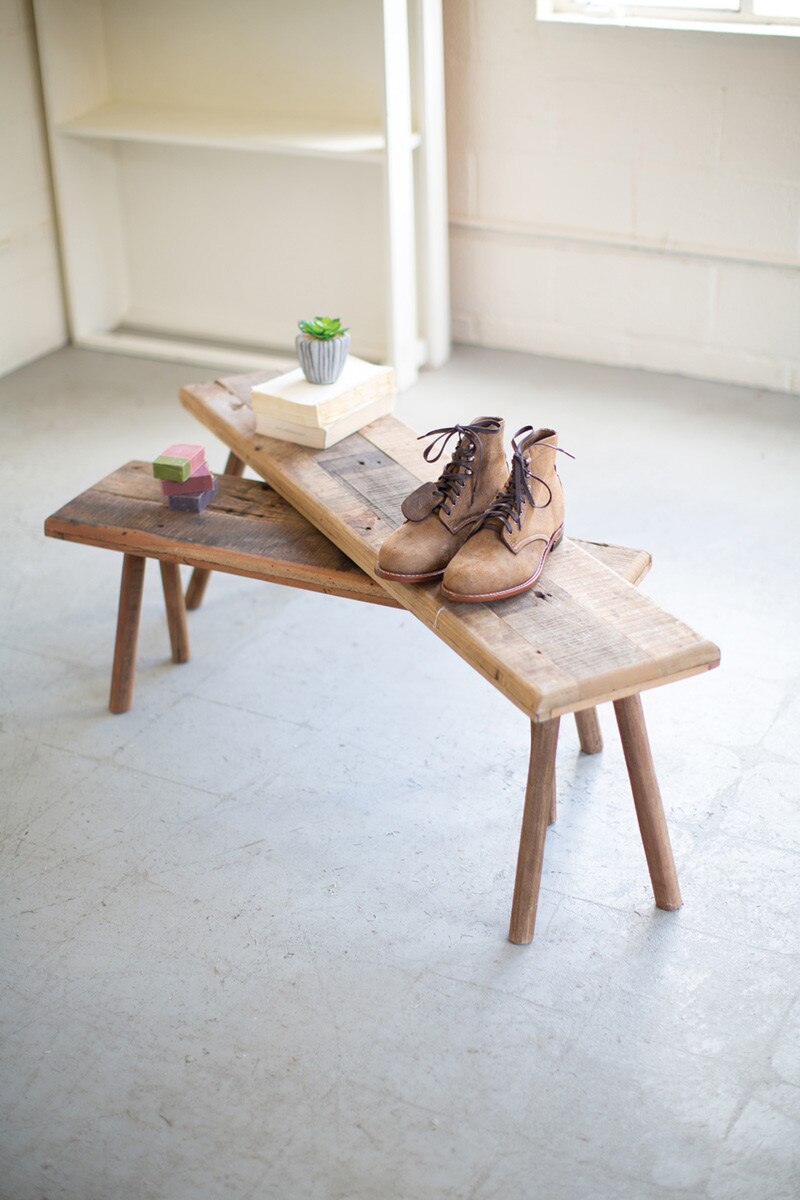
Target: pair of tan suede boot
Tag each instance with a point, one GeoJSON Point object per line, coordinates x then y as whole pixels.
{"type": "Point", "coordinates": [485, 531]}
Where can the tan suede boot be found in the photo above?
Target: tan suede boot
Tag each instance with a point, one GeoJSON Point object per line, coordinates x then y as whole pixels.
{"type": "Point", "coordinates": [507, 553]}
{"type": "Point", "coordinates": [440, 516]}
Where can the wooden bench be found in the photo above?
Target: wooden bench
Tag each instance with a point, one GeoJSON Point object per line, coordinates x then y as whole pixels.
{"type": "Point", "coordinates": [248, 530]}
{"type": "Point", "coordinates": [584, 635]}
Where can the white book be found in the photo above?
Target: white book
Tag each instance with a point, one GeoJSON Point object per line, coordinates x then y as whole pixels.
{"type": "Point", "coordinates": [292, 400]}
{"type": "Point", "coordinates": [322, 436]}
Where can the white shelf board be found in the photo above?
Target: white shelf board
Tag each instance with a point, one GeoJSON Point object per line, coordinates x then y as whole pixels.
{"type": "Point", "coordinates": [173, 349]}
{"type": "Point", "coordinates": [118, 121]}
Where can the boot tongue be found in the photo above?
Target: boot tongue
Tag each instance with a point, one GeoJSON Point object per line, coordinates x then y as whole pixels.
{"type": "Point", "coordinates": [528, 460]}
{"type": "Point", "coordinates": [533, 440]}
{"type": "Point", "coordinates": [481, 426]}
{"type": "Point", "coordinates": [477, 428]}
{"type": "Point", "coordinates": [539, 451]}
{"type": "Point", "coordinates": [428, 496]}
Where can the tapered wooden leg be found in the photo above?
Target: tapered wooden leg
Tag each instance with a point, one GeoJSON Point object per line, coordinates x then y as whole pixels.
{"type": "Point", "coordinates": [200, 575]}
{"type": "Point", "coordinates": [647, 798]}
{"type": "Point", "coordinates": [538, 805]}
{"type": "Point", "coordinates": [130, 605]}
{"type": "Point", "coordinates": [591, 738]}
{"type": "Point", "coordinates": [176, 611]}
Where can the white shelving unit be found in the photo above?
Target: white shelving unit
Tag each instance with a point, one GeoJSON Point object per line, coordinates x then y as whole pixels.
{"type": "Point", "coordinates": [223, 167]}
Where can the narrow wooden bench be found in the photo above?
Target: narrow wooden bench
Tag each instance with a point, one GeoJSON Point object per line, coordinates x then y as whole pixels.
{"type": "Point", "coordinates": [248, 530]}
{"type": "Point", "coordinates": [584, 635]}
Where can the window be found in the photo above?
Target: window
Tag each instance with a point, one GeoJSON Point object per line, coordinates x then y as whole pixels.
{"type": "Point", "coordinates": [780, 17]}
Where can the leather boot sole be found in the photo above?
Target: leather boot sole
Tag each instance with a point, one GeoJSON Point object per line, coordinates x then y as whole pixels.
{"type": "Point", "coordinates": [487, 597]}
{"type": "Point", "coordinates": [397, 578]}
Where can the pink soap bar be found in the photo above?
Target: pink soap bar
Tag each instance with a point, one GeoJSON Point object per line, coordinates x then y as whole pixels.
{"type": "Point", "coordinates": [195, 454]}
{"type": "Point", "coordinates": [178, 462]}
{"type": "Point", "coordinates": [200, 480]}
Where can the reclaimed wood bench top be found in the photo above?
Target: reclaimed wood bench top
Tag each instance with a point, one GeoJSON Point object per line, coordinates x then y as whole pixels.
{"type": "Point", "coordinates": [583, 635]}
{"type": "Point", "coordinates": [247, 530]}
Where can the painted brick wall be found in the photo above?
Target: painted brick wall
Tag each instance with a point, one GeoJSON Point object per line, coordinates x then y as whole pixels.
{"type": "Point", "coordinates": [625, 196]}
{"type": "Point", "coordinates": [31, 308]}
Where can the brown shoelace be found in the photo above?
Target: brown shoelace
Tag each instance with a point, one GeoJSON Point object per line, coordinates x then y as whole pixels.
{"type": "Point", "coordinates": [510, 502]}
{"type": "Point", "coordinates": [460, 468]}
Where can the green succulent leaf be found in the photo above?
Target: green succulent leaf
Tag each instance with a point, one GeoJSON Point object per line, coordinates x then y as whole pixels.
{"type": "Point", "coordinates": [322, 328]}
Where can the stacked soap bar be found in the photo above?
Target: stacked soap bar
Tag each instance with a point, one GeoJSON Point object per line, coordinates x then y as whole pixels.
{"type": "Point", "coordinates": [185, 477]}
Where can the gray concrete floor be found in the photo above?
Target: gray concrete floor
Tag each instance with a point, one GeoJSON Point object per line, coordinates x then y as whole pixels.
{"type": "Point", "coordinates": [253, 932]}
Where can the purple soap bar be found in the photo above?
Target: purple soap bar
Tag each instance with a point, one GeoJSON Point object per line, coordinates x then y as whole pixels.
{"type": "Point", "coordinates": [195, 502]}
{"type": "Point", "coordinates": [200, 480]}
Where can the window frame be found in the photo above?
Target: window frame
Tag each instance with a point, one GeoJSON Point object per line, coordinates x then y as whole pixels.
{"type": "Point", "coordinates": [719, 16]}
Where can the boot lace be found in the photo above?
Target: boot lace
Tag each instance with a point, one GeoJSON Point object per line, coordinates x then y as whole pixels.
{"type": "Point", "coordinates": [508, 506]}
{"type": "Point", "coordinates": [463, 466]}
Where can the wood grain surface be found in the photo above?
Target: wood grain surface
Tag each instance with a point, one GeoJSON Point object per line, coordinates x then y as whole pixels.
{"type": "Point", "coordinates": [582, 636]}
{"type": "Point", "coordinates": [247, 530]}
{"type": "Point", "coordinates": [259, 535]}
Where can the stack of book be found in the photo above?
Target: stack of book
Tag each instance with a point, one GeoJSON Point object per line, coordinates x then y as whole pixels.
{"type": "Point", "coordinates": [321, 414]}
{"type": "Point", "coordinates": [186, 480]}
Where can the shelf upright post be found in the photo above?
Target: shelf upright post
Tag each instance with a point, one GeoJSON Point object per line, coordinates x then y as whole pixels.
{"type": "Point", "coordinates": [433, 230]}
{"type": "Point", "coordinates": [403, 331]}
{"type": "Point", "coordinates": [74, 75]}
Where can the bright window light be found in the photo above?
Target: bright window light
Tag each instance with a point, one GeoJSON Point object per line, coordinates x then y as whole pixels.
{"type": "Point", "coordinates": [777, 8]}
{"type": "Point", "coordinates": [775, 17]}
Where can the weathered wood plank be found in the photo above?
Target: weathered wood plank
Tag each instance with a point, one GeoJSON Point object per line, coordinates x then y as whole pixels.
{"type": "Point", "coordinates": [261, 536]}
{"type": "Point", "coordinates": [583, 636]}
{"type": "Point", "coordinates": [248, 530]}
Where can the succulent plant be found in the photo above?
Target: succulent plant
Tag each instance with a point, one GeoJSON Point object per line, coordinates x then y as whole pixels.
{"type": "Point", "coordinates": [322, 328]}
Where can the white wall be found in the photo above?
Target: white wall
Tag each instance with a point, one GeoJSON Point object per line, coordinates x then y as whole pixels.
{"type": "Point", "coordinates": [625, 196]}
{"type": "Point", "coordinates": [31, 309]}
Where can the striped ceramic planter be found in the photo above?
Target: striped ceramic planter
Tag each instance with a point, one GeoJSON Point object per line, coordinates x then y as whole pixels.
{"type": "Point", "coordinates": [322, 361]}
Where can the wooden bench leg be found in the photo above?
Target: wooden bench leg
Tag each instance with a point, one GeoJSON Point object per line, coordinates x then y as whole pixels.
{"type": "Point", "coordinates": [130, 605]}
{"type": "Point", "coordinates": [199, 579]}
{"type": "Point", "coordinates": [538, 807]}
{"type": "Point", "coordinates": [647, 798]}
{"type": "Point", "coordinates": [591, 738]}
{"type": "Point", "coordinates": [176, 611]}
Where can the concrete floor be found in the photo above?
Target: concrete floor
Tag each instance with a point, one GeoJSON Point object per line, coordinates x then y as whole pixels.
{"type": "Point", "coordinates": [253, 932]}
